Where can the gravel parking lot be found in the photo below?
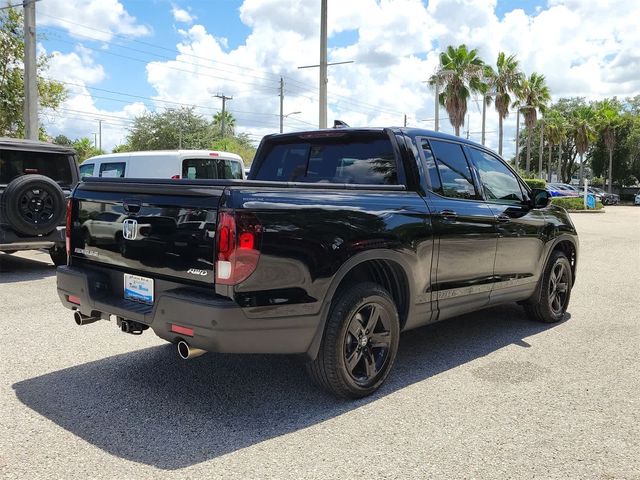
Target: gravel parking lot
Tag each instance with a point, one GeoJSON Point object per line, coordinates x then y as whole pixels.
{"type": "Point", "coordinates": [487, 395]}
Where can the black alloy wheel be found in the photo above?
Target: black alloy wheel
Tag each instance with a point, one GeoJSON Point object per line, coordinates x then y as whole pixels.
{"type": "Point", "coordinates": [558, 294]}
{"type": "Point", "coordinates": [549, 303]}
{"type": "Point", "coordinates": [360, 342]}
{"type": "Point", "coordinates": [367, 343]}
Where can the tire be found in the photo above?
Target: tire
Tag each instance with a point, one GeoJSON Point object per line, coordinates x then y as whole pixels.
{"type": "Point", "coordinates": [33, 205]}
{"type": "Point", "coordinates": [348, 365]}
{"type": "Point", "coordinates": [549, 303]}
{"type": "Point", "coordinates": [58, 255]}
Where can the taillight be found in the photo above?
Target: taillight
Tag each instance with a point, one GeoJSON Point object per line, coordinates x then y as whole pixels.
{"type": "Point", "coordinates": [237, 246]}
{"type": "Point", "coordinates": [175, 177]}
{"type": "Point", "coordinates": [67, 231]}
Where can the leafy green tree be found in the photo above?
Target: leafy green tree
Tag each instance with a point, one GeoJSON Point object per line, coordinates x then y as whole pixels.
{"type": "Point", "coordinates": [240, 145]}
{"type": "Point", "coordinates": [504, 81]}
{"type": "Point", "coordinates": [50, 93]}
{"type": "Point", "coordinates": [582, 127]}
{"type": "Point", "coordinates": [533, 96]}
{"type": "Point", "coordinates": [124, 147]}
{"type": "Point", "coordinates": [62, 140]}
{"type": "Point", "coordinates": [461, 71]}
{"type": "Point", "coordinates": [229, 124]}
{"type": "Point", "coordinates": [169, 130]}
{"type": "Point", "coordinates": [555, 132]}
{"type": "Point", "coordinates": [609, 121]}
{"type": "Point", "coordinates": [85, 149]}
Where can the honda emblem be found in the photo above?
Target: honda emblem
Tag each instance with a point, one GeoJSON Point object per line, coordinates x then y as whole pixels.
{"type": "Point", "coordinates": [130, 229]}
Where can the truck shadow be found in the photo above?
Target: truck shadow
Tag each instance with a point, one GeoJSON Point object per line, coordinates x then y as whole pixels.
{"type": "Point", "coordinates": [149, 407]}
{"type": "Point", "coordinates": [19, 269]}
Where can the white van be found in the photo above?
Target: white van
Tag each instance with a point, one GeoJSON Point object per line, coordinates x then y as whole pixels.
{"type": "Point", "coordinates": [165, 164]}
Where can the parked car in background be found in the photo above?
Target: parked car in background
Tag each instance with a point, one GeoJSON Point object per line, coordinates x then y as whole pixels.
{"type": "Point", "coordinates": [607, 198]}
{"type": "Point", "coordinates": [562, 190]}
{"type": "Point", "coordinates": [36, 178]}
{"type": "Point", "coordinates": [636, 199]}
{"type": "Point", "coordinates": [175, 164]}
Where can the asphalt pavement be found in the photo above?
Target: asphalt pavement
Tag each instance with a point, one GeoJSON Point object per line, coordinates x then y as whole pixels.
{"type": "Point", "coordinates": [487, 395]}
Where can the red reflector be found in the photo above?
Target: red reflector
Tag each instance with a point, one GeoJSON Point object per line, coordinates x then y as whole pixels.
{"type": "Point", "coordinates": [175, 177]}
{"type": "Point", "coordinates": [182, 330]}
{"type": "Point", "coordinates": [246, 240]}
{"type": "Point", "coordinates": [214, 154]}
{"type": "Point", "coordinates": [74, 299]}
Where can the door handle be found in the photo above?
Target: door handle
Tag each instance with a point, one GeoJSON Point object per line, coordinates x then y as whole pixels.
{"type": "Point", "coordinates": [503, 218]}
{"type": "Point", "coordinates": [448, 214]}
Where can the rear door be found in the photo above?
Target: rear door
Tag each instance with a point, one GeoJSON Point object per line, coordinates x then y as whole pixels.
{"type": "Point", "coordinates": [154, 229]}
{"type": "Point", "coordinates": [464, 227]}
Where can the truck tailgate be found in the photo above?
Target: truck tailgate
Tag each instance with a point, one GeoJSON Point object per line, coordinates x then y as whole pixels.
{"type": "Point", "coordinates": [147, 228]}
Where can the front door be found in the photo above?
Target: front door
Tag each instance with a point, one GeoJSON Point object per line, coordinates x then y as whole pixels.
{"type": "Point", "coordinates": [464, 227]}
{"type": "Point", "coordinates": [520, 228]}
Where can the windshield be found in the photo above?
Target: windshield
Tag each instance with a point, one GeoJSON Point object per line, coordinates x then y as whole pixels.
{"type": "Point", "coordinates": [14, 163]}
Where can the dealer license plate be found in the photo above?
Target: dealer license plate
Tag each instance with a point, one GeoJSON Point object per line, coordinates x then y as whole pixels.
{"type": "Point", "coordinates": [138, 288]}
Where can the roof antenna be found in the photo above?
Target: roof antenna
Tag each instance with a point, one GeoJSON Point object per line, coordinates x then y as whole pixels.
{"type": "Point", "coordinates": [339, 124]}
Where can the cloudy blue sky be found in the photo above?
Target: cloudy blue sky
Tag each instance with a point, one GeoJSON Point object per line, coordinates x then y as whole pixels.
{"type": "Point", "coordinates": [120, 58]}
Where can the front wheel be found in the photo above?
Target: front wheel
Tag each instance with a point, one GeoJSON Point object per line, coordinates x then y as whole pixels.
{"type": "Point", "coordinates": [555, 291]}
{"type": "Point", "coordinates": [360, 342]}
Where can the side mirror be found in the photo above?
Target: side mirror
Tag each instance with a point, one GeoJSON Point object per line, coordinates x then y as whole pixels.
{"type": "Point", "coordinates": [540, 198]}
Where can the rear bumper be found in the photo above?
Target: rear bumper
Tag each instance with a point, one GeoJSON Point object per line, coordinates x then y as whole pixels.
{"type": "Point", "coordinates": [9, 241]}
{"type": "Point", "coordinates": [218, 323]}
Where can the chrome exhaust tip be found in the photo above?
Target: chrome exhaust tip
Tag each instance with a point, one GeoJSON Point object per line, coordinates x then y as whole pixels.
{"type": "Point", "coordinates": [81, 319]}
{"type": "Point", "coordinates": [186, 352]}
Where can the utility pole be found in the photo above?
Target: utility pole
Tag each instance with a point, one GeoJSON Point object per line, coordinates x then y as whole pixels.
{"type": "Point", "coordinates": [541, 148]}
{"type": "Point", "coordinates": [322, 123]}
{"type": "Point", "coordinates": [100, 134]}
{"type": "Point", "coordinates": [405, 119]}
{"type": "Point", "coordinates": [437, 106]}
{"type": "Point", "coordinates": [224, 101]}
{"type": "Point", "coordinates": [281, 103]}
{"type": "Point", "coordinates": [95, 140]}
{"type": "Point", "coordinates": [30, 71]}
{"type": "Point", "coordinates": [468, 125]}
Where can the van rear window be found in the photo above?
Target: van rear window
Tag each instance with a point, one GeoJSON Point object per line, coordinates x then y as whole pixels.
{"type": "Point", "coordinates": [366, 159]}
{"type": "Point", "coordinates": [211, 168]}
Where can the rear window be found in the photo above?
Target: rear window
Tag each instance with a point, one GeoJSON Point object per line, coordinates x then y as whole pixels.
{"type": "Point", "coordinates": [211, 168]}
{"type": "Point", "coordinates": [86, 170]}
{"type": "Point", "coordinates": [365, 159]}
{"type": "Point", "coordinates": [14, 163]}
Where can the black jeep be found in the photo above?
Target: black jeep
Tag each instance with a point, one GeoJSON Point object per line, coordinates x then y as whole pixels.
{"type": "Point", "coordinates": [36, 179]}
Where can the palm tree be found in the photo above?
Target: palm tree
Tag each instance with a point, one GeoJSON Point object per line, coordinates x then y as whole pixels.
{"type": "Point", "coordinates": [608, 120]}
{"type": "Point", "coordinates": [461, 71]}
{"type": "Point", "coordinates": [583, 131]}
{"type": "Point", "coordinates": [228, 121]}
{"type": "Point", "coordinates": [533, 95]}
{"type": "Point", "coordinates": [555, 127]}
{"type": "Point", "coordinates": [504, 81]}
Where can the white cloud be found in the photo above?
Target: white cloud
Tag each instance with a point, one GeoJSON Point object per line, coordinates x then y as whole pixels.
{"type": "Point", "coordinates": [98, 19]}
{"type": "Point", "coordinates": [182, 15]}
{"type": "Point", "coordinates": [583, 48]}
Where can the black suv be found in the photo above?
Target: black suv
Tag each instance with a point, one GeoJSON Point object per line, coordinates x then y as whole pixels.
{"type": "Point", "coordinates": [36, 179]}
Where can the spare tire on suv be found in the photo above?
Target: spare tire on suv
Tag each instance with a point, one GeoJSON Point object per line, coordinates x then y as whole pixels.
{"type": "Point", "coordinates": [33, 205]}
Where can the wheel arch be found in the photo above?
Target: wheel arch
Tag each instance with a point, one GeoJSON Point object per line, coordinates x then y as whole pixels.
{"type": "Point", "coordinates": [385, 268]}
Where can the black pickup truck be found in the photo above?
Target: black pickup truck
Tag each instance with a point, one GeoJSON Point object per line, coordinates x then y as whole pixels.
{"type": "Point", "coordinates": [339, 240]}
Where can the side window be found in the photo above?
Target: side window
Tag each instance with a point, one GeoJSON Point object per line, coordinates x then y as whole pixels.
{"type": "Point", "coordinates": [112, 169]}
{"type": "Point", "coordinates": [86, 170]}
{"type": "Point", "coordinates": [230, 169]}
{"type": "Point", "coordinates": [430, 166]}
{"type": "Point", "coordinates": [499, 183]}
{"type": "Point", "coordinates": [455, 175]}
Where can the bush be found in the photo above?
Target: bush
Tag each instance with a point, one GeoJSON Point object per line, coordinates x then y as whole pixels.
{"type": "Point", "coordinates": [572, 203]}
{"type": "Point", "coordinates": [535, 182]}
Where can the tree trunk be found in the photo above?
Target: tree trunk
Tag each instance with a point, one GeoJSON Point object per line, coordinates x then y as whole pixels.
{"type": "Point", "coordinates": [457, 130]}
{"type": "Point", "coordinates": [549, 165]}
{"type": "Point", "coordinates": [540, 153]}
{"type": "Point", "coordinates": [527, 167]}
{"type": "Point", "coordinates": [610, 170]}
{"type": "Point", "coordinates": [581, 169]}
{"type": "Point", "coordinates": [500, 133]}
{"type": "Point", "coordinates": [560, 172]}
